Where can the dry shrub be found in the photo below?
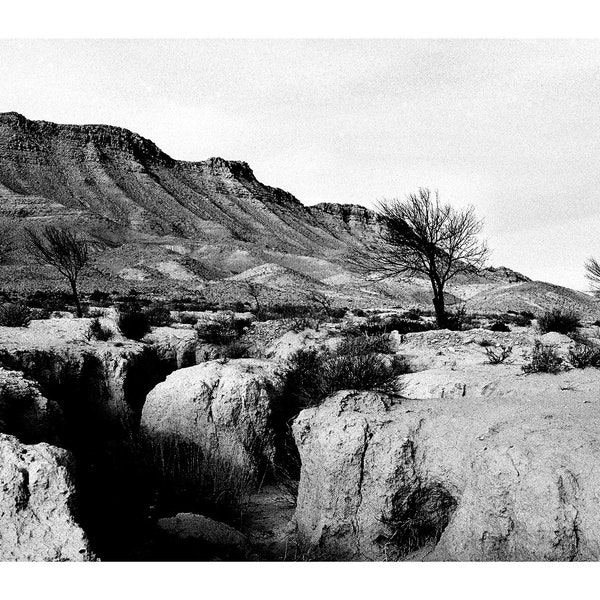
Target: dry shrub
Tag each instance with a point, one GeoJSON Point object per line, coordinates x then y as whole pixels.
{"type": "Point", "coordinates": [543, 359]}
{"type": "Point", "coordinates": [15, 314]}
{"type": "Point", "coordinates": [559, 321]}
{"type": "Point", "coordinates": [97, 331]}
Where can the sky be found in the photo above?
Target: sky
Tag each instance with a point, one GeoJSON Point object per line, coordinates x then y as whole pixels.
{"type": "Point", "coordinates": [509, 126]}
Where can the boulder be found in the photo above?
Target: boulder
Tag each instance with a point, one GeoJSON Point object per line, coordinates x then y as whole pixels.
{"type": "Point", "coordinates": [25, 412]}
{"type": "Point", "coordinates": [220, 408]}
{"type": "Point", "coordinates": [37, 503]}
{"type": "Point", "coordinates": [450, 479]}
{"type": "Point", "coordinates": [189, 536]}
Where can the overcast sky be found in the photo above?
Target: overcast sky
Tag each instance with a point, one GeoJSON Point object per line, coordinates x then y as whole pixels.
{"type": "Point", "coordinates": [512, 127]}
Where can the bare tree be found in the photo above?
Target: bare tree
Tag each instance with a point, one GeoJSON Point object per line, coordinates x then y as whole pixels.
{"type": "Point", "coordinates": [64, 250]}
{"type": "Point", "coordinates": [321, 300]}
{"type": "Point", "coordinates": [254, 291]}
{"type": "Point", "coordinates": [592, 273]}
{"type": "Point", "coordinates": [422, 237]}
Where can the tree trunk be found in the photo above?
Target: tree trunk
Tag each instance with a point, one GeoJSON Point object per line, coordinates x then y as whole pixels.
{"type": "Point", "coordinates": [440, 309]}
{"type": "Point", "coordinates": [76, 296]}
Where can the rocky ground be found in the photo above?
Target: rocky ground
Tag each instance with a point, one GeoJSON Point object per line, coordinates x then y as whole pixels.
{"type": "Point", "coordinates": [164, 449]}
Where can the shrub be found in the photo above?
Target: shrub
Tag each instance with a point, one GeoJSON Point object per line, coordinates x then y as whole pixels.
{"type": "Point", "coordinates": [499, 326]}
{"type": "Point", "coordinates": [365, 344]}
{"type": "Point", "coordinates": [187, 318]}
{"type": "Point", "coordinates": [543, 359]}
{"type": "Point", "coordinates": [313, 375]}
{"type": "Point", "coordinates": [236, 349]}
{"type": "Point", "coordinates": [15, 314]}
{"type": "Point", "coordinates": [99, 332]}
{"type": "Point", "coordinates": [221, 330]}
{"type": "Point", "coordinates": [584, 355]}
{"type": "Point", "coordinates": [100, 298]}
{"type": "Point", "coordinates": [159, 315]}
{"type": "Point", "coordinates": [459, 320]}
{"type": "Point", "coordinates": [133, 323]}
{"type": "Point", "coordinates": [497, 355]}
{"type": "Point", "coordinates": [377, 326]}
{"type": "Point", "coordinates": [559, 321]}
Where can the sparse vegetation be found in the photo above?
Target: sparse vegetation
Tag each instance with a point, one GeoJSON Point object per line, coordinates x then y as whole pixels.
{"type": "Point", "coordinates": [97, 331]}
{"type": "Point", "coordinates": [584, 355]}
{"type": "Point", "coordinates": [312, 375]}
{"type": "Point", "coordinates": [14, 314]}
{"type": "Point", "coordinates": [133, 323]}
{"type": "Point", "coordinates": [496, 355]}
{"type": "Point", "coordinates": [63, 250]}
{"type": "Point", "coordinates": [560, 321]}
{"type": "Point", "coordinates": [159, 315]}
{"type": "Point", "coordinates": [543, 359]}
{"type": "Point", "coordinates": [235, 349]}
{"type": "Point", "coordinates": [220, 330]}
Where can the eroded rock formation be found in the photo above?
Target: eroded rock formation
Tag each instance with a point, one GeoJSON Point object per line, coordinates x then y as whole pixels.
{"type": "Point", "coordinates": [37, 504]}
{"type": "Point", "coordinates": [450, 479]}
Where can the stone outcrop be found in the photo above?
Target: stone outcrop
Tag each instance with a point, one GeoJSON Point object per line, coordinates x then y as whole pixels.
{"type": "Point", "coordinates": [26, 413]}
{"type": "Point", "coordinates": [221, 408]}
{"type": "Point", "coordinates": [98, 385]}
{"type": "Point", "coordinates": [37, 501]}
{"type": "Point", "coordinates": [450, 479]}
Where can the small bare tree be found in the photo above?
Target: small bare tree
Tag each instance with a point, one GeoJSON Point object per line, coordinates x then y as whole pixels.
{"type": "Point", "coordinates": [64, 250]}
{"type": "Point", "coordinates": [254, 291]}
{"type": "Point", "coordinates": [420, 236]}
{"type": "Point", "coordinates": [592, 273]}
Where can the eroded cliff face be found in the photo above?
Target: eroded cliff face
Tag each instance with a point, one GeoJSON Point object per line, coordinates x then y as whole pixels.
{"type": "Point", "coordinates": [449, 479]}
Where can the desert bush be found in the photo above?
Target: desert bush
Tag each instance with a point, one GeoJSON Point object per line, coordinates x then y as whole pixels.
{"type": "Point", "coordinates": [312, 375]}
{"type": "Point", "coordinates": [187, 318]}
{"type": "Point", "coordinates": [543, 359]}
{"type": "Point", "coordinates": [97, 331]}
{"type": "Point", "coordinates": [365, 344]}
{"type": "Point", "coordinates": [235, 349]}
{"type": "Point", "coordinates": [559, 321]}
{"type": "Point", "coordinates": [15, 314]}
{"type": "Point", "coordinates": [158, 315]}
{"type": "Point", "coordinates": [50, 300]}
{"type": "Point", "coordinates": [302, 323]}
{"type": "Point", "coordinates": [378, 326]}
{"type": "Point", "coordinates": [221, 330]}
{"type": "Point", "coordinates": [100, 298]}
{"type": "Point", "coordinates": [459, 320]}
{"type": "Point", "coordinates": [499, 326]}
{"type": "Point", "coordinates": [486, 343]}
{"type": "Point", "coordinates": [583, 355]}
{"type": "Point", "coordinates": [497, 355]}
{"type": "Point", "coordinates": [133, 323]}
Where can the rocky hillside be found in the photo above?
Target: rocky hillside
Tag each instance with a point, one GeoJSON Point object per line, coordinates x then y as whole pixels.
{"type": "Point", "coordinates": [118, 179]}
{"type": "Point", "coordinates": [161, 223]}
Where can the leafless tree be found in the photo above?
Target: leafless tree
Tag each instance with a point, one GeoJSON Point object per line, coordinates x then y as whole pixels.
{"type": "Point", "coordinates": [64, 250]}
{"type": "Point", "coordinates": [592, 272]}
{"type": "Point", "coordinates": [321, 300]}
{"type": "Point", "coordinates": [254, 291]}
{"type": "Point", "coordinates": [420, 236]}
